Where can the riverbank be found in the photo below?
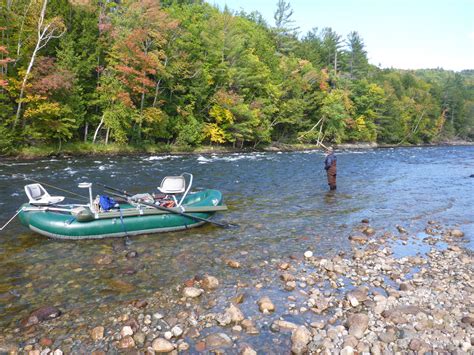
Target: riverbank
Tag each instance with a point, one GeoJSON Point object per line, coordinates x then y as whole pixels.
{"type": "Point", "coordinates": [382, 296]}
{"type": "Point", "coordinates": [89, 149]}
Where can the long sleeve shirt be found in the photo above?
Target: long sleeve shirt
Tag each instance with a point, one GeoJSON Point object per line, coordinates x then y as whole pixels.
{"type": "Point", "coordinates": [330, 160]}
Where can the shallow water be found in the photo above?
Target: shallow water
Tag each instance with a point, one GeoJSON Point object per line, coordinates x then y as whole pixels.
{"type": "Point", "coordinates": [279, 200]}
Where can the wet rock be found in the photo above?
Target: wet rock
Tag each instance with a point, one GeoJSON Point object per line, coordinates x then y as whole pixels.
{"type": "Point", "coordinates": [247, 350]}
{"type": "Point", "coordinates": [103, 260]}
{"type": "Point", "coordinates": [232, 263]}
{"type": "Point", "coordinates": [308, 254]}
{"type": "Point", "coordinates": [266, 305]}
{"type": "Point", "coordinates": [358, 238]}
{"type": "Point", "coordinates": [358, 324]}
{"type": "Point", "coordinates": [284, 266]}
{"type": "Point", "coordinates": [369, 231]}
{"type": "Point", "coordinates": [209, 283]}
{"type": "Point", "coordinates": [239, 298]}
{"type": "Point", "coordinates": [6, 297]}
{"type": "Point", "coordinates": [401, 229]}
{"type": "Point", "coordinates": [286, 276]}
{"type": "Point", "coordinates": [131, 254]}
{"type": "Point", "coordinates": [139, 338]}
{"type": "Point", "coordinates": [200, 346]}
{"type": "Point", "coordinates": [126, 343]}
{"type": "Point", "coordinates": [468, 320]}
{"type": "Point", "coordinates": [121, 286]}
{"type": "Point", "coordinates": [97, 333]}
{"type": "Point", "coordinates": [456, 233]}
{"type": "Point", "coordinates": [235, 314]}
{"type": "Point", "coordinates": [45, 342]}
{"type": "Point", "coordinates": [161, 345]}
{"type": "Point", "coordinates": [131, 322]}
{"type": "Point", "coordinates": [319, 304]}
{"type": "Point", "coordinates": [249, 327]}
{"type": "Point", "coordinates": [218, 341]}
{"type": "Point", "coordinates": [365, 220]}
{"type": "Point", "coordinates": [139, 303]}
{"type": "Point", "coordinates": [290, 285]}
{"type": "Point", "coordinates": [284, 325]}
{"type": "Point", "coordinates": [183, 347]}
{"type": "Point", "coordinates": [192, 292]}
{"type": "Point", "coordinates": [40, 315]}
{"type": "Point", "coordinates": [300, 339]}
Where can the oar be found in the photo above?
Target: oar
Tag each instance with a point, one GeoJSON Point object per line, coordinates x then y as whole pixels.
{"type": "Point", "coordinates": [125, 194]}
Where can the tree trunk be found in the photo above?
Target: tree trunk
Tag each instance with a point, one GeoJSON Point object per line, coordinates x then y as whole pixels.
{"type": "Point", "coordinates": [23, 84]}
{"type": "Point", "coordinates": [107, 136]}
{"type": "Point", "coordinates": [86, 132]}
{"type": "Point", "coordinates": [98, 128]}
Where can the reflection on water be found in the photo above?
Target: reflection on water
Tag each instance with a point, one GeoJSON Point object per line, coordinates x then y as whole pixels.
{"type": "Point", "coordinates": [279, 200]}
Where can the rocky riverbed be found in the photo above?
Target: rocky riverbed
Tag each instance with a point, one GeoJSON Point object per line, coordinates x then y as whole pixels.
{"type": "Point", "coordinates": [370, 300]}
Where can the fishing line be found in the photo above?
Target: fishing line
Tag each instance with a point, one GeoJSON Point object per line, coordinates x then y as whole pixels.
{"type": "Point", "coordinates": [54, 187]}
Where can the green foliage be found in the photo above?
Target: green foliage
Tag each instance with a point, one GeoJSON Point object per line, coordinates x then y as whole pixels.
{"type": "Point", "coordinates": [184, 73]}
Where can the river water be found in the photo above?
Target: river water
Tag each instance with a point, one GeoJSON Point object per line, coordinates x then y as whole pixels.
{"type": "Point", "coordinates": [279, 200]}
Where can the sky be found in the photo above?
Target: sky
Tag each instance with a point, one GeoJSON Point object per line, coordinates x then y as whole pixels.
{"type": "Point", "coordinates": [403, 34]}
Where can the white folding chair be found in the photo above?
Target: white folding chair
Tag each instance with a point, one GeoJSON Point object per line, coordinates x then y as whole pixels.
{"type": "Point", "coordinates": [37, 195]}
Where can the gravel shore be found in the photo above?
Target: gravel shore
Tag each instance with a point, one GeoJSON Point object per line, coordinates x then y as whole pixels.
{"type": "Point", "coordinates": [367, 301]}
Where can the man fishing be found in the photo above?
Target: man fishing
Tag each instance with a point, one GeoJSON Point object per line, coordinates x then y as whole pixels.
{"type": "Point", "coordinates": [330, 167]}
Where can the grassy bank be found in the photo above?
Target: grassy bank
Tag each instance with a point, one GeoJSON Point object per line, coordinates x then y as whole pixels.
{"type": "Point", "coordinates": [90, 149]}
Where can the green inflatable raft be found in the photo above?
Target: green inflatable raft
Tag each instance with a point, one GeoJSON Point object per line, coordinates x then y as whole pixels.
{"type": "Point", "coordinates": [129, 218]}
{"type": "Point", "coordinates": [81, 223]}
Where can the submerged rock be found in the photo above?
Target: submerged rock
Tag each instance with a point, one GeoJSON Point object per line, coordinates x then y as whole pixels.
{"type": "Point", "coordinates": [209, 283]}
{"type": "Point", "coordinates": [40, 315]}
{"type": "Point", "coordinates": [232, 263]}
{"type": "Point", "coordinates": [234, 313]}
{"type": "Point", "coordinates": [218, 341]}
{"type": "Point", "coordinates": [161, 345]}
{"type": "Point", "coordinates": [97, 333]}
{"type": "Point", "coordinates": [192, 292]}
{"type": "Point", "coordinates": [266, 305]}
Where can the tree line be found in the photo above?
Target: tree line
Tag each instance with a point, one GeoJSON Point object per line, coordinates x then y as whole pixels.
{"type": "Point", "coordinates": [187, 73]}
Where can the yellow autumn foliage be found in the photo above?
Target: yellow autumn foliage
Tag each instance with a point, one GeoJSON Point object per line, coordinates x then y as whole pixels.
{"type": "Point", "coordinates": [214, 133]}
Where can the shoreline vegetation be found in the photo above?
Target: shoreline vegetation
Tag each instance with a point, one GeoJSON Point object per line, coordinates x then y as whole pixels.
{"type": "Point", "coordinates": [89, 149]}
{"type": "Point", "coordinates": [167, 75]}
{"type": "Point", "coordinates": [368, 300]}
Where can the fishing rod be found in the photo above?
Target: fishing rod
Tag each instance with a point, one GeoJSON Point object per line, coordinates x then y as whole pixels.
{"type": "Point", "coordinates": [125, 194]}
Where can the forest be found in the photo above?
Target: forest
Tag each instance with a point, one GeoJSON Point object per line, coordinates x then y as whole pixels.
{"type": "Point", "coordinates": [185, 73]}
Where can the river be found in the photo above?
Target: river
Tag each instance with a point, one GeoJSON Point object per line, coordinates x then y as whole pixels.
{"type": "Point", "coordinates": [280, 201]}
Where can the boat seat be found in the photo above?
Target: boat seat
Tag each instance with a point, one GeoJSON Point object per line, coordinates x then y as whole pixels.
{"type": "Point", "coordinates": [173, 185]}
{"type": "Point", "coordinates": [37, 195]}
